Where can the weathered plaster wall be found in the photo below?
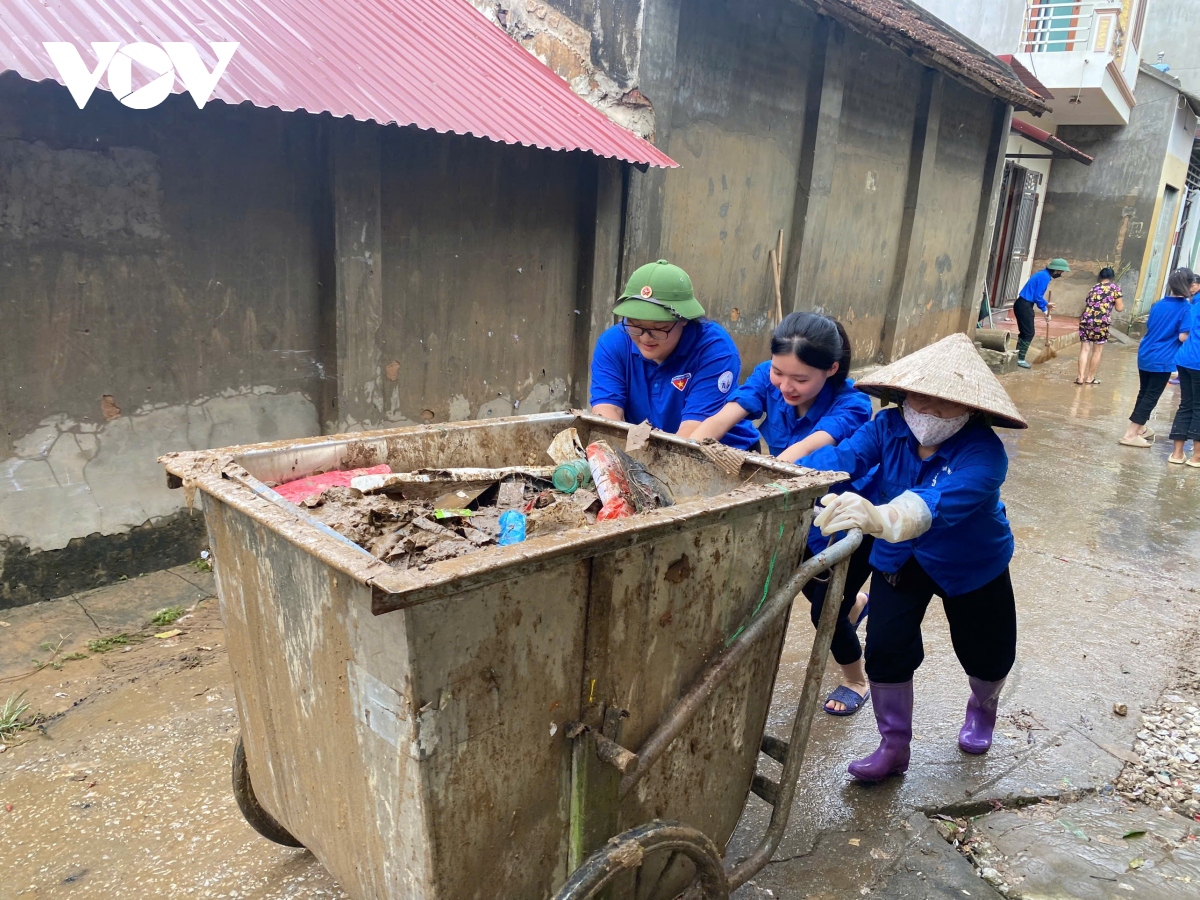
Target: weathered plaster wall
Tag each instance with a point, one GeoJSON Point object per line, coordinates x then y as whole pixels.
{"type": "Point", "coordinates": [736, 125]}
{"type": "Point", "coordinates": [480, 310]}
{"type": "Point", "coordinates": [784, 122]}
{"type": "Point", "coordinates": [158, 291]}
{"type": "Point", "coordinates": [866, 201]}
{"type": "Point", "coordinates": [932, 303]}
{"type": "Point", "coordinates": [1104, 214]}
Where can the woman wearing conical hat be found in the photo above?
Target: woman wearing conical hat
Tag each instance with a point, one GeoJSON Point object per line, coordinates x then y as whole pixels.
{"type": "Point", "coordinates": [939, 528]}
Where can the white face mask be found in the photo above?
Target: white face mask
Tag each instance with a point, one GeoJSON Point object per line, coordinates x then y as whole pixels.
{"type": "Point", "coordinates": [931, 431]}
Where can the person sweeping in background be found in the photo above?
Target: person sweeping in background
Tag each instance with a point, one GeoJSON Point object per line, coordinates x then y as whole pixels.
{"type": "Point", "coordinates": [808, 402]}
{"type": "Point", "coordinates": [939, 528]}
{"type": "Point", "coordinates": [1034, 294]}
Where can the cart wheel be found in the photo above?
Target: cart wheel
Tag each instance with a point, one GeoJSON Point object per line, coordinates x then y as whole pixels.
{"type": "Point", "coordinates": [627, 851]}
{"type": "Point", "coordinates": [260, 820]}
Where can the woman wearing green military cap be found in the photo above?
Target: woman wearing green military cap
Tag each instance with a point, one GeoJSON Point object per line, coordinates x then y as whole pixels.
{"type": "Point", "coordinates": [663, 361]}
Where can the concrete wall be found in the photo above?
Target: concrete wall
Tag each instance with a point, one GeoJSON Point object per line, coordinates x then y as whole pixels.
{"type": "Point", "coordinates": [994, 24]}
{"type": "Point", "coordinates": [1173, 28]}
{"type": "Point", "coordinates": [735, 126]}
{"type": "Point", "coordinates": [479, 311]}
{"type": "Point", "coordinates": [784, 121]}
{"type": "Point", "coordinates": [1104, 214]}
{"type": "Point", "coordinates": [937, 288]}
{"type": "Point", "coordinates": [181, 279]}
{"type": "Point", "coordinates": [158, 291]}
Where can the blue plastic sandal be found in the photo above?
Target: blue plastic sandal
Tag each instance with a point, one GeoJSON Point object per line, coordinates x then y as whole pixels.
{"type": "Point", "coordinates": [843, 694]}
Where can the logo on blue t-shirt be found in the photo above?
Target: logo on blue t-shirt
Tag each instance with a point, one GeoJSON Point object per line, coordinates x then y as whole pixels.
{"type": "Point", "coordinates": [725, 382]}
{"type": "Point", "coordinates": [681, 381]}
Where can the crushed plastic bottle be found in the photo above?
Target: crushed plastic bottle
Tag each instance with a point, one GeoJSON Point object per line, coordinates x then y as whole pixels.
{"type": "Point", "coordinates": [571, 476]}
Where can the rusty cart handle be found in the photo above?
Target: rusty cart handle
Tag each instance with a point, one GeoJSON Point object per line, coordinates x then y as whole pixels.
{"type": "Point", "coordinates": [836, 556]}
{"type": "Point", "coordinates": [791, 753]}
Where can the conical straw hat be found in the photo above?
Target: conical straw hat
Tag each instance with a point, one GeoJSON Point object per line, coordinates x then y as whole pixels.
{"type": "Point", "coordinates": [950, 369]}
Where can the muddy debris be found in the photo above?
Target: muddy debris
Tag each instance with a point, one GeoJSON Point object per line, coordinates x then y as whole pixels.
{"type": "Point", "coordinates": [418, 518]}
{"type": "Point", "coordinates": [414, 533]}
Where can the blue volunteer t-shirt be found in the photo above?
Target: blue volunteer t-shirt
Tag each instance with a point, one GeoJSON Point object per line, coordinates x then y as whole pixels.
{"type": "Point", "coordinates": [1035, 289]}
{"type": "Point", "coordinates": [1168, 319]}
{"type": "Point", "coordinates": [691, 384]}
{"type": "Point", "coordinates": [970, 542]}
{"type": "Point", "coordinates": [838, 414]}
{"type": "Point", "coordinates": [1189, 353]}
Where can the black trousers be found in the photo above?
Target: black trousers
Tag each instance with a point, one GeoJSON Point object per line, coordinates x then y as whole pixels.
{"type": "Point", "coordinates": [1187, 420]}
{"type": "Point", "coordinates": [983, 625]}
{"type": "Point", "coordinates": [845, 648]}
{"type": "Point", "coordinates": [1023, 310]}
{"type": "Point", "coordinates": [1152, 386]}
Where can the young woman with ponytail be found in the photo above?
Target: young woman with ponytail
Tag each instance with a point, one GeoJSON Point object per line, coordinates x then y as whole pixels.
{"type": "Point", "coordinates": [808, 403]}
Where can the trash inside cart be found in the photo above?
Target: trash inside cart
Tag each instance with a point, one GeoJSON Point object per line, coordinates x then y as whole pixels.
{"type": "Point", "coordinates": [579, 710]}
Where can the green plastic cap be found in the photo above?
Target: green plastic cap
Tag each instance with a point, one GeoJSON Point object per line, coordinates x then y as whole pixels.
{"type": "Point", "coordinates": [1058, 264]}
{"type": "Point", "coordinates": [659, 292]}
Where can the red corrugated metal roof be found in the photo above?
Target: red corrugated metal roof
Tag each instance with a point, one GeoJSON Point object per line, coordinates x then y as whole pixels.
{"type": "Point", "coordinates": [436, 64]}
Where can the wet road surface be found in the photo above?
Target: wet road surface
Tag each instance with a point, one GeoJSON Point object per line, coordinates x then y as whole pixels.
{"type": "Point", "coordinates": [128, 791]}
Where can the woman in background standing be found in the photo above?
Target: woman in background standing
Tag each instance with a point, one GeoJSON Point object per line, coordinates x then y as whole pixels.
{"type": "Point", "coordinates": [1187, 420]}
{"type": "Point", "coordinates": [1094, 323]}
{"type": "Point", "coordinates": [1165, 331]}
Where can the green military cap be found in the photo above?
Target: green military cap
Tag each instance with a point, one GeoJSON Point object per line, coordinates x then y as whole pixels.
{"type": "Point", "coordinates": [659, 292]}
{"type": "Point", "coordinates": [1058, 264]}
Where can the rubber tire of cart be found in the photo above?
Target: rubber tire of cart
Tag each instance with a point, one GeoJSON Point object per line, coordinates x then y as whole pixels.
{"type": "Point", "coordinates": [626, 851]}
{"type": "Point", "coordinates": [260, 820]}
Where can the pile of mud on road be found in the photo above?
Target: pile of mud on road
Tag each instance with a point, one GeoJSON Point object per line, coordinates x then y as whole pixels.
{"type": "Point", "coordinates": [413, 519]}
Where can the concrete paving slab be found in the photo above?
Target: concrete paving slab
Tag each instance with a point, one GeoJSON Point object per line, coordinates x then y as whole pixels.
{"type": "Point", "coordinates": [48, 623]}
{"type": "Point", "coordinates": [1096, 849]}
{"type": "Point", "coordinates": [130, 604]}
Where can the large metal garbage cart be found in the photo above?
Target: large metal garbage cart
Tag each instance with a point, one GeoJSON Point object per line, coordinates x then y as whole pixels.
{"type": "Point", "coordinates": [482, 727]}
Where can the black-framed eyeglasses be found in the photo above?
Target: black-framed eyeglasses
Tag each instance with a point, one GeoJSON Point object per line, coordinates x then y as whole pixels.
{"type": "Point", "coordinates": [655, 334]}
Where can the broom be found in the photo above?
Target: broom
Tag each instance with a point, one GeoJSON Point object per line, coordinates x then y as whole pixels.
{"type": "Point", "coordinates": [1047, 352]}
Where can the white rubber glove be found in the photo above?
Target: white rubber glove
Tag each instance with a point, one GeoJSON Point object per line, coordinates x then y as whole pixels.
{"type": "Point", "coordinates": [903, 519]}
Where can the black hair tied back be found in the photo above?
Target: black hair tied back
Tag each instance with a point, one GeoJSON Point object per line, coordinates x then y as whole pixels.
{"type": "Point", "coordinates": [816, 340]}
{"type": "Point", "coordinates": [1180, 283]}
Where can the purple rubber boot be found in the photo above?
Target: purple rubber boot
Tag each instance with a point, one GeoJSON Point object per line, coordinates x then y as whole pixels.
{"type": "Point", "coordinates": [976, 733]}
{"type": "Point", "coordinates": [893, 705]}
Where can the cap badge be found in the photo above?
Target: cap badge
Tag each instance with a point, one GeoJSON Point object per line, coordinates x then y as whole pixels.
{"type": "Point", "coordinates": [647, 291]}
